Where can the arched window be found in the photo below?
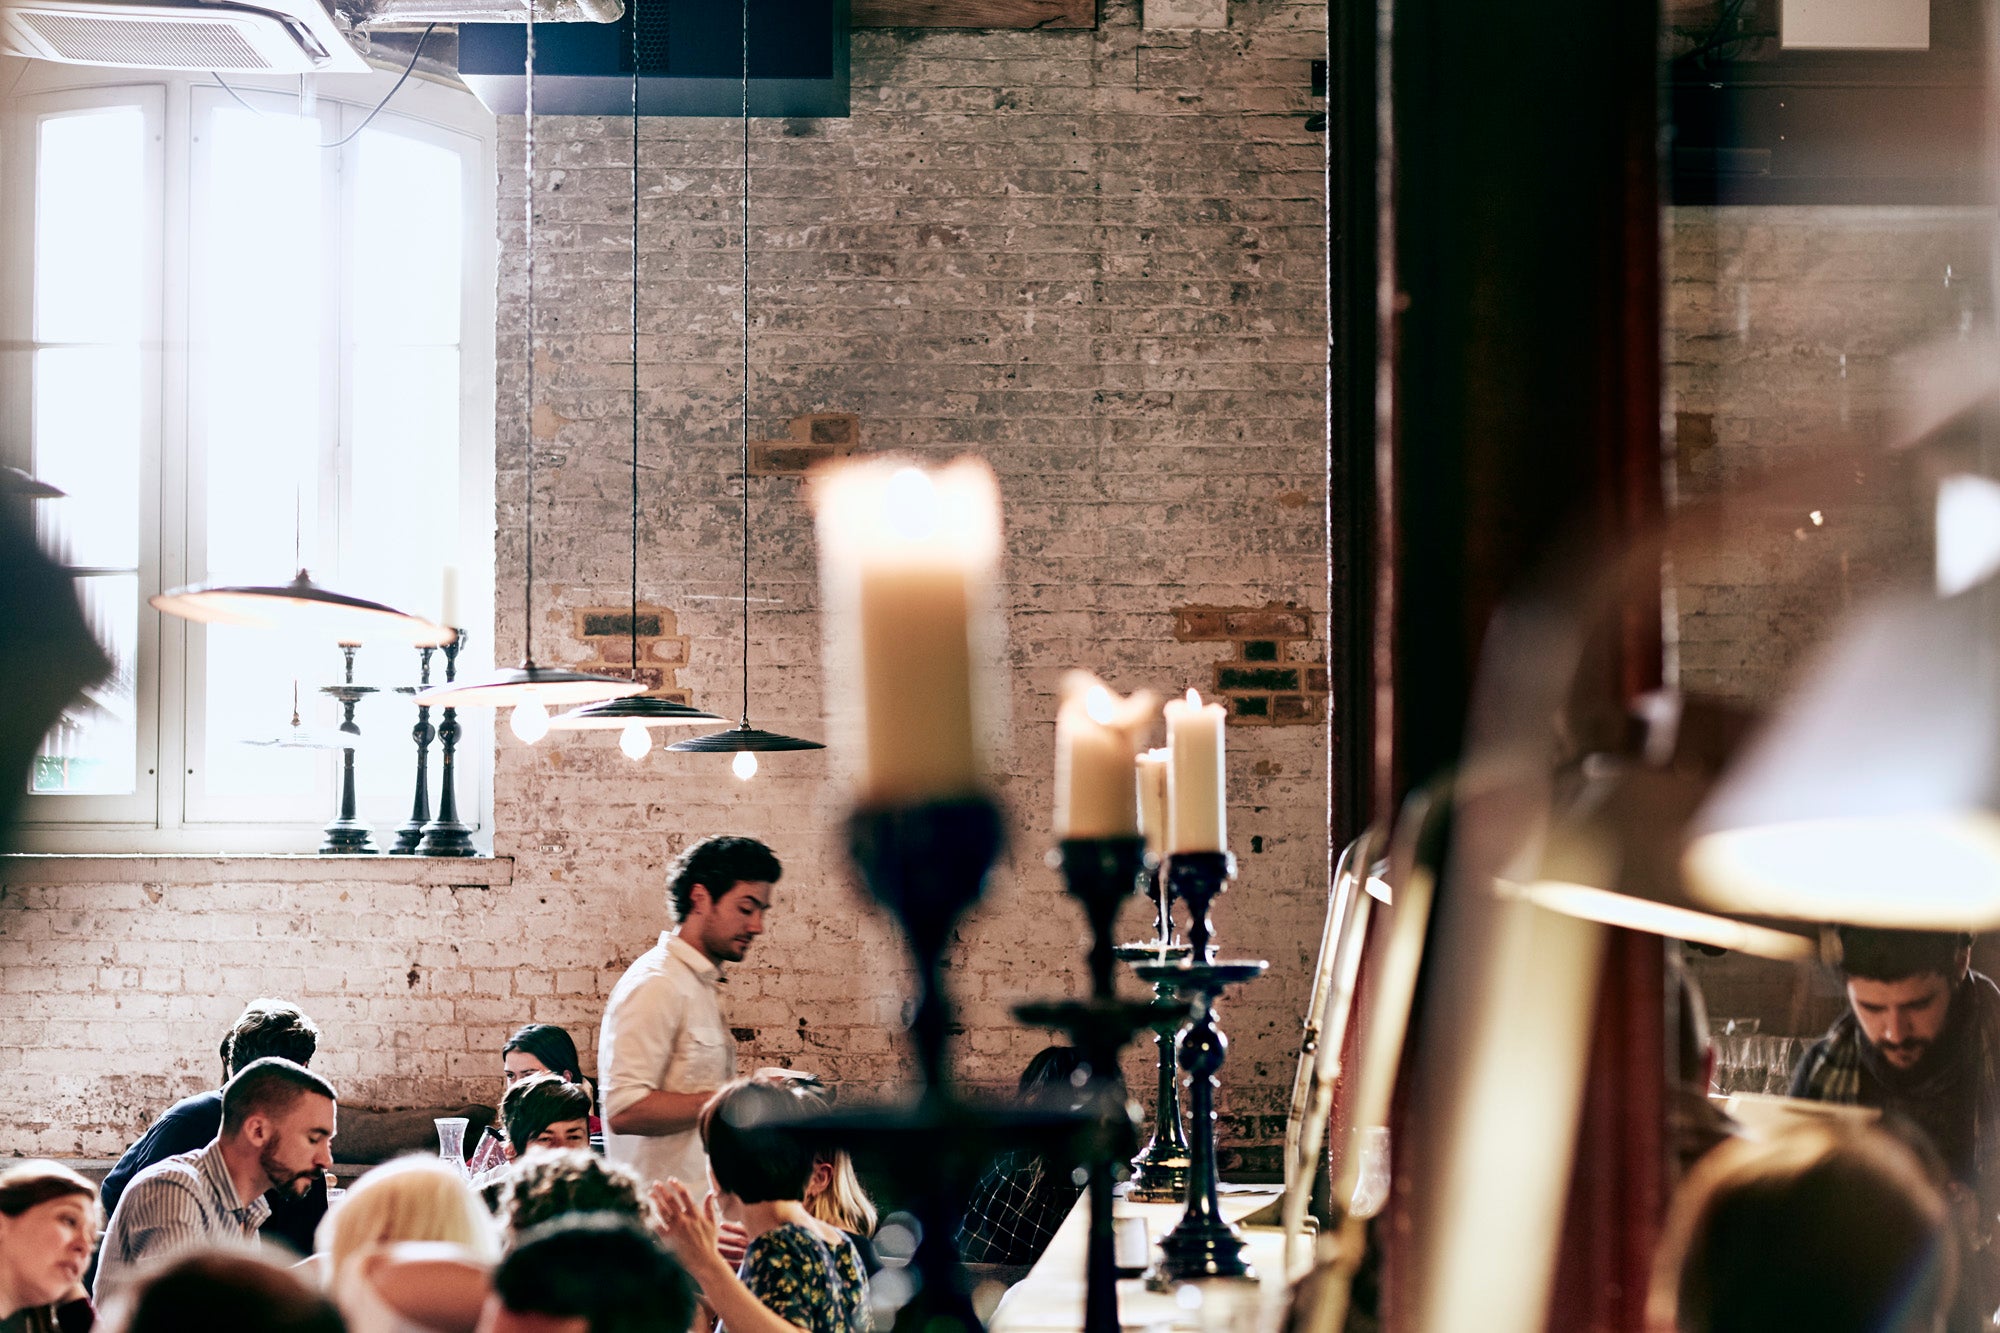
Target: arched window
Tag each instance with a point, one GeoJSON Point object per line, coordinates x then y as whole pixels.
{"type": "Point", "coordinates": [247, 328]}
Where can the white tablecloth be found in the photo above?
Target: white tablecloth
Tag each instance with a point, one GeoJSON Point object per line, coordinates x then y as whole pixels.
{"type": "Point", "coordinates": [1050, 1298]}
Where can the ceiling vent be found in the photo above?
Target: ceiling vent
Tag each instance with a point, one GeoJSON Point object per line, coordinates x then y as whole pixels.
{"type": "Point", "coordinates": [286, 37]}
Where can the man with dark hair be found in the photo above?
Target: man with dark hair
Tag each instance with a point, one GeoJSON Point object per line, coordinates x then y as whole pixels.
{"type": "Point", "coordinates": [1921, 1042]}
{"type": "Point", "coordinates": [588, 1275]}
{"type": "Point", "coordinates": [664, 1047]}
{"type": "Point", "coordinates": [265, 1027]}
{"type": "Point", "coordinates": [237, 1292]}
{"type": "Point", "coordinates": [276, 1135]}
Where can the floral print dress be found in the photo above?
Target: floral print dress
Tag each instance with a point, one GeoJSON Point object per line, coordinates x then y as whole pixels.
{"type": "Point", "coordinates": [804, 1281]}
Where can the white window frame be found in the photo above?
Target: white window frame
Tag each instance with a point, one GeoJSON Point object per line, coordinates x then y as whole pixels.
{"type": "Point", "coordinates": [168, 811]}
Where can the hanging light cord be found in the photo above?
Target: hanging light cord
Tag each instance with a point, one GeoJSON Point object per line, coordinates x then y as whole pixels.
{"type": "Point", "coordinates": [633, 624]}
{"type": "Point", "coordinates": [528, 337]}
{"type": "Point", "coordinates": [743, 453]}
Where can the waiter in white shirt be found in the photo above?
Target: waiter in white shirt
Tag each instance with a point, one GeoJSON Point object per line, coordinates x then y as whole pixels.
{"type": "Point", "coordinates": [664, 1048]}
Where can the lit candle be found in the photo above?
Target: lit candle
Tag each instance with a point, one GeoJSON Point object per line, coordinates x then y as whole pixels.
{"type": "Point", "coordinates": [1153, 800]}
{"type": "Point", "coordinates": [1097, 737]}
{"type": "Point", "coordinates": [1196, 820]}
{"type": "Point", "coordinates": [906, 559]}
{"type": "Point", "coordinates": [448, 598]}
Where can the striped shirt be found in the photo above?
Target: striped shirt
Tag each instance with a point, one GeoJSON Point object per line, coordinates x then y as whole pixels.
{"type": "Point", "coordinates": [177, 1204]}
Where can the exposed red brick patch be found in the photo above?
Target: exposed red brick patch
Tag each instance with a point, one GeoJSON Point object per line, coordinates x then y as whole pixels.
{"type": "Point", "coordinates": [815, 438]}
{"type": "Point", "coordinates": [606, 632]}
{"type": "Point", "coordinates": [1262, 678]}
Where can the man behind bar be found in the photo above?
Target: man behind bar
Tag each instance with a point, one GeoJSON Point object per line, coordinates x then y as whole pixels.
{"type": "Point", "coordinates": [664, 1047]}
{"type": "Point", "coordinates": [1920, 1041]}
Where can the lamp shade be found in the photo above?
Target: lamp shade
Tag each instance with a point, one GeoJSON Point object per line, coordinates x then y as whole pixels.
{"type": "Point", "coordinates": [301, 607]}
{"type": "Point", "coordinates": [526, 684]}
{"type": "Point", "coordinates": [1612, 857]}
{"type": "Point", "coordinates": [741, 738]}
{"type": "Point", "coordinates": [617, 714]}
{"type": "Point", "coordinates": [1870, 800]}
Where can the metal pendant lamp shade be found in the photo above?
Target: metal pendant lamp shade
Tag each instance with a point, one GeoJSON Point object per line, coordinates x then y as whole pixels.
{"type": "Point", "coordinates": [742, 737]}
{"type": "Point", "coordinates": [1612, 857]}
{"type": "Point", "coordinates": [301, 607]}
{"type": "Point", "coordinates": [616, 714]}
{"type": "Point", "coordinates": [1873, 798]}
{"type": "Point", "coordinates": [529, 687]}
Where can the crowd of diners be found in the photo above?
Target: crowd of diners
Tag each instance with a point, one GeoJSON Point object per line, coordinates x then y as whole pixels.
{"type": "Point", "coordinates": [656, 1197]}
{"type": "Point", "coordinates": [660, 1196]}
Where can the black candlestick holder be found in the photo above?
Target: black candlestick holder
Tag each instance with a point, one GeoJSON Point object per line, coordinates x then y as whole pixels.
{"type": "Point", "coordinates": [411, 834]}
{"type": "Point", "coordinates": [1160, 1171]}
{"type": "Point", "coordinates": [1099, 873]}
{"type": "Point", "coordinates": [1202, 1244]}
{"type": "Point", "coordinates": [346, 835]}
{"type": "Point", "coordinates": [445, 835]}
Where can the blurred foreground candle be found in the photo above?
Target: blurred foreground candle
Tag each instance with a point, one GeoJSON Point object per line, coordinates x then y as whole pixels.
{"type": "Point", "coordinates": [906, 559]}
{"type": "Point", "coordinates": [1153, 800]}
{"type": "Point", "coordinates": [1195, 802]}
{"type": "Point", "coordinates": [1097, 739]}
{"type": "Point", "coordinates": [448, 598]}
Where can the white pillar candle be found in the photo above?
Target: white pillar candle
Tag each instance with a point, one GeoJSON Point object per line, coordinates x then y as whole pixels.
{"type": "Point", "coordinates": [906, 559]}
{"type": "Point", "coordinates": [1097, 739]}
{"type": "Point", "coordinates": [448, 598]}
{"type": "Point", "coordinates": [1196, 802]}
{"type": "Point", "coordinates": [1152, 769]}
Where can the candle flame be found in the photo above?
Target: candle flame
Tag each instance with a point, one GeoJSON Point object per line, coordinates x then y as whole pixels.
{"type": "Point", "coordinates": [1193, 698]}
{"type": "Point", "coordinates": [1099, 706]}
{"type": "Point", "coordinates": [910, 505]}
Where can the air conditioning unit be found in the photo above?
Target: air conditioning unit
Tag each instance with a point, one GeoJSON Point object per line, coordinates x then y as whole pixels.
{"type": "Point", "coordinates": [281, 37]}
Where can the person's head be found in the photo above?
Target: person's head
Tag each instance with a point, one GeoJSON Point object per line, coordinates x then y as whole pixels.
{"type": "Point", "coordinates": [48, 1227]}
{"type": "Point", "coordinates": [545, 1111]}
{"type": "Point", "coordinates": [719, 890]}
{"type": "Point", "coordinates": [268, 1027]}
{"type": "Point", "coordinates": [1900, 985]}
{"type": "Point", "coordinates": [216, 1289]}
{"type": "Point", "coordinates": [283, 1114]}
{"type": "Point", "coordinates": [540, 1048]}
{"type": "Point", "coordinates": [551, 1185]}
{"type": "Point", "coordinates": [410, 1198]}
{"type": "Point", "coordinates": [1050, 1077]}
{"type": "Point", "coordinates": [833, 1192]}
{"type": "Point", "coordinates": [590, 1274]}
{"type": "Point", "coordinates": [752, 1160]}
{"type": "Point", "coordinates": [1831, 1229]}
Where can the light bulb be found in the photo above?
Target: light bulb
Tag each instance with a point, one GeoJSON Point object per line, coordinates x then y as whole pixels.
{"type": "Point", "coordinates": [744, 765]}
{"type": "Point", "coordinates": [636, 740]}
{"type": "Point", "coordinates": [530, 721]}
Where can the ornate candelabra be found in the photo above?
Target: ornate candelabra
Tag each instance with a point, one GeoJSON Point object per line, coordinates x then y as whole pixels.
{"type": "Point", "coordinates": [411, 834]}
{"type": "Point", "coordinates": [1203, 1243]}
{"type": "Point", "coordinates": [1099, 873]}
{"type": "Point", "coordinates": [1160, 1171]}
{"type": "Point", "coordinates": [445, 836]}
{"type": "Point", "coordinates": [346, 834]}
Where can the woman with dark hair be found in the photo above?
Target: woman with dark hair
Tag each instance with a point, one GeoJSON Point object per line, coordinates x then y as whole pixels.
{"type": "Point", "coordinates": [536, 1048]}
{"type": "Point", "coordinates": [1024, 1196]}
{"type": "Point", "coordinates": [48, 1228]}
{"type": "Point", "coordinates": [799, 1274]}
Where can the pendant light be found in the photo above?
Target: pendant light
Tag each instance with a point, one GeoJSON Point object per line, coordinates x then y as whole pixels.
{"type": "Point", "coordinates": [528, 688]}
{"type": "Point", "coordinates": [744, 740]}
{"type": "Point", "coordinates": [633, 717]}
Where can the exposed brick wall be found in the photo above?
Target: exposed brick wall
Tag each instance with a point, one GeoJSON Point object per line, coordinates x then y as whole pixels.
{"type": "Point", "coordinates": [1095, 258]}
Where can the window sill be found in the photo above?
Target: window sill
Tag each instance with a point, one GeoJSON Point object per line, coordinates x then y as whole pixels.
{"type": "Point", "coordinates": [150, 868]}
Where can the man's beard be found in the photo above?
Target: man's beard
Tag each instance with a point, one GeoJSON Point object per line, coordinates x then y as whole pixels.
{"type": "Point", "coordinates": [1913, 1052]}
{"type": "Point", "coordinates": [283, 1178]}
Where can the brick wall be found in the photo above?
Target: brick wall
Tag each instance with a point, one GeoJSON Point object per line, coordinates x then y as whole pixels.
{"type": "Point", "coordinates": [1094, 258]}
{"type": "Point", "coordinates": [1782, 327]}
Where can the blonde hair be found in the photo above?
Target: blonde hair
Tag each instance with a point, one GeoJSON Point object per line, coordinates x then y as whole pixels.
{"type": "Point", "coordinates": [843, 1202]}
{"type": "Point", "coordinates": [411, 1198]}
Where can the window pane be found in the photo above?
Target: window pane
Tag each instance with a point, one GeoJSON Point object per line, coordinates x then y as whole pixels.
{"type": "Point", "coordinates": [249, 698]}
{"type": "Point", "coordinates": [89, 223]}
{"type": "Point", "coordinates": [404, 477]}
{"type": "Point", "coordinates": [407, 236]}
{"type": "Point", "coordinates": [86, 441]}
{"type": "Point", "coordinates": [91, 750]}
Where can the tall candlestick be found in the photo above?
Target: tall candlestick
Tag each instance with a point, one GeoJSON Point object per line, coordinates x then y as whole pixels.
{"type": "Point", "coordinates": [1197, 820]}
{"type": "Point", "coordinates": [1097, 737]}
{"type": "Point", "coordinates": [1152, 770]}
{"type": "Point", "coordinates": [907, 557]}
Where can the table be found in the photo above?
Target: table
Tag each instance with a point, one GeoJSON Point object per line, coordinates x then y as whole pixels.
{"type": "Point", "coordinates": [1050, 1298]}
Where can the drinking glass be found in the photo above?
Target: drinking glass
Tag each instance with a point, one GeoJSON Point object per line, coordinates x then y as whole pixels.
{"type": "Point", "coordinates": [451, 1139]}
